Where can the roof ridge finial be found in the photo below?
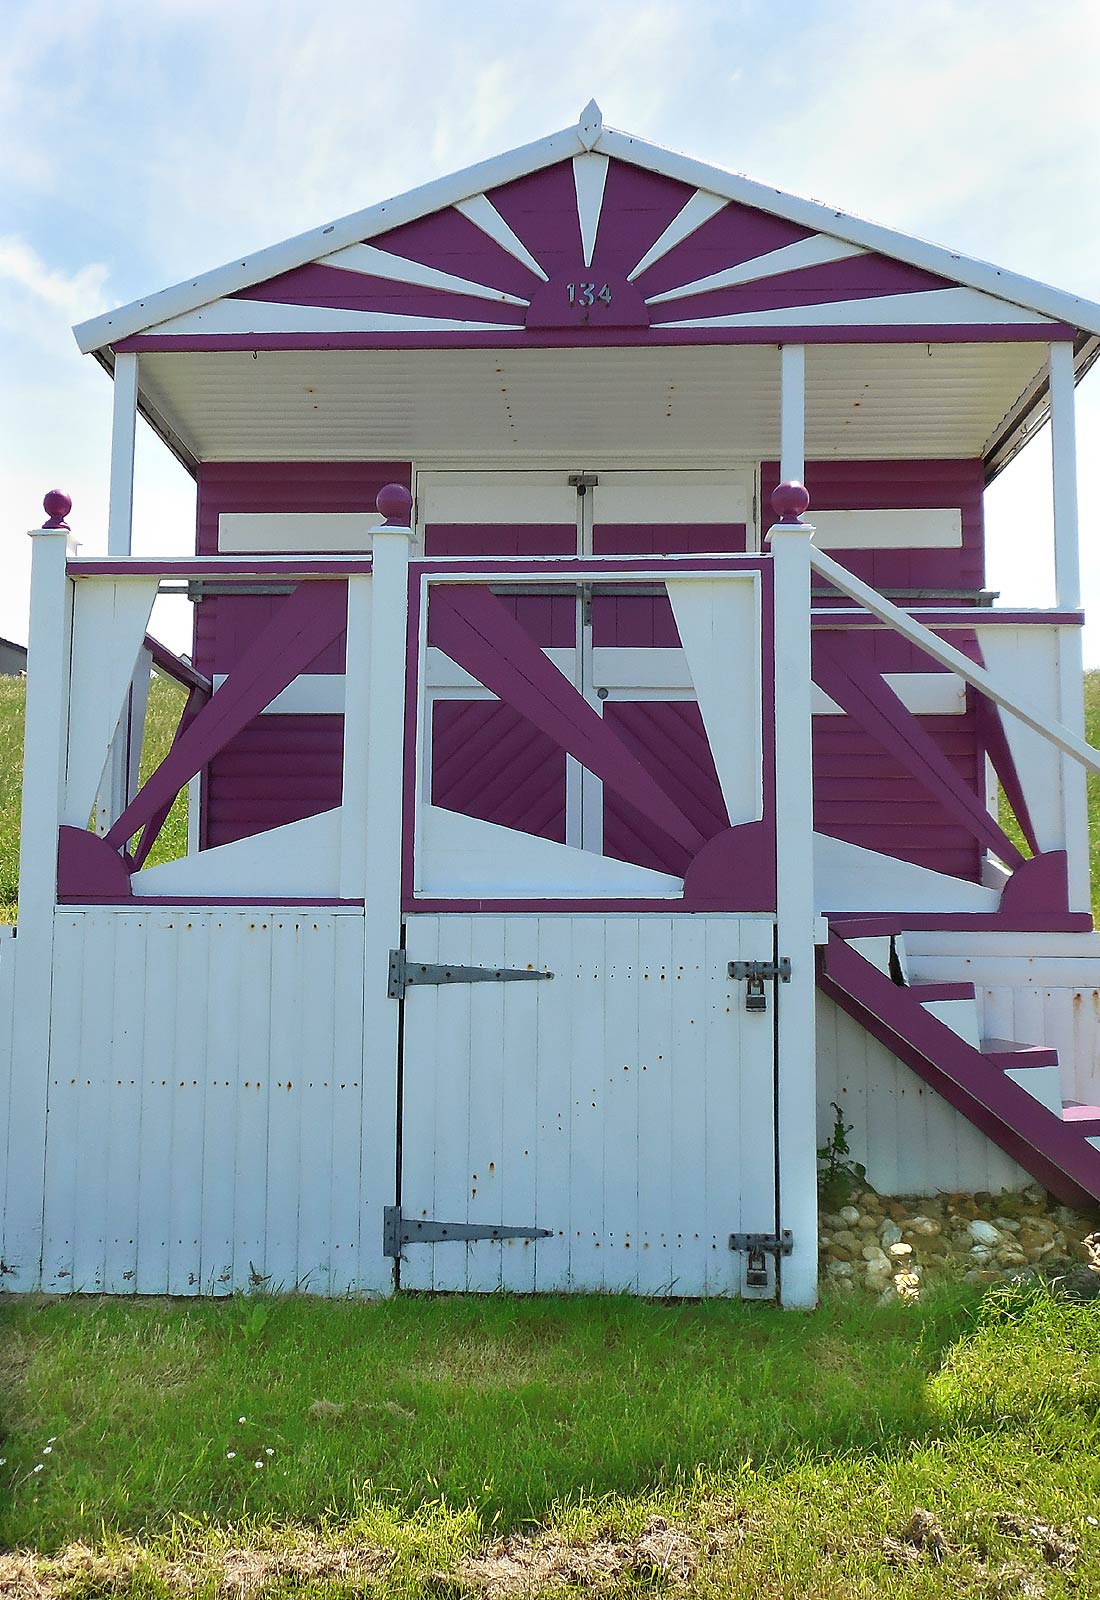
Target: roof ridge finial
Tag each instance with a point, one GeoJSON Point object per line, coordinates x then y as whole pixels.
{"type": "Point", "coordinates": [590, 124]}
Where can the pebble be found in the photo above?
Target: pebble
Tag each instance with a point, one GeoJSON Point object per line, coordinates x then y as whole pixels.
{"type": "Point", "coordinates": [984, 1232]}
{"type": "Point", "coordinates": [870, 1244]}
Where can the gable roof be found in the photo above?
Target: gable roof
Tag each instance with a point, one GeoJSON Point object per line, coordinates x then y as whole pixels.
{"type": "Point", "coordinates": [915, 285]}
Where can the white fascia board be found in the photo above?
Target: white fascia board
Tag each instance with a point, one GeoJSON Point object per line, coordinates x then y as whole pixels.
{"type": "Point", "coordinates": [306, 247]}
{"type": "Point", "coordinates": [1010, 286]}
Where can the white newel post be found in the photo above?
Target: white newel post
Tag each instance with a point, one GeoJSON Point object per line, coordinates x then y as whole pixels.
{"type": "Point", "coordinates": [45, 739]}
{"type": "Point", "coordinates": [1067, 578]}
{"type": "Point", "coordinates": [789, 542]}
{"type": "Point", "coordinates": [380, 821]}
{"type": "Point", "coordinates": [115, 791]}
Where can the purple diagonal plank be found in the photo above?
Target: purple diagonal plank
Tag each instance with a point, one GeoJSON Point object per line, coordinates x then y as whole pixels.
{"type": "Point", "coordinates": [301, 628]}
{"type": "Point", "coordinates": [469, 624]}
{"type": "Point", "coordinates": [196, 699]}
{"type": "Point", "coordinates": [990, 730]}
{"type": "Point", "coordinates": [849, 676]}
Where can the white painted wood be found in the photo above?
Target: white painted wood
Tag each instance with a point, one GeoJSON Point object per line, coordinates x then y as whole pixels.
{"type": "Point", "coordinates": [876, 948]}
{"type": "Point", "coordinates": [1025, 660]}
{"type": "Point", "coordinates": [961, 1016]}
{"type": "Point", "coordinates": [480, 498]}
{"type": "Point", "coordinates": [626, 1104]}
{"type": "Point", "coordinates": [672, 498]}
{"type": "Point", "coordinates": [719, 622]}
{"type": "Point", "coordinates": [927, 694]}
{"type": "Point", "coordinates": [910, 1140]}
{"type": "Point", "coordinates": [816, 251]}
{"type": "Point", "coordinates": [699, 208]}
{"type": "Point", "coordinates": [946, 654]}
{"type": "Point", "coordinates": [368, 259]}
{"type": "Point", "coordinates": [1042, 1083]}
{"type": "Point", "coordinates": [850, 878]}
{"type": "Point", "coordinates": [589, 177]}
{"type": "Point", "coordinates": [310, 694]}
{"type": "Point", "coordinates": [300, 859]}
{"type": "Point", "coordinates": [481, 211]}
{"type": "Point", "coordinates": [795, 908]}
{"type": "Point", "coordinates": [206, 1102]}
{"type": "Point", "coordinates": [109, 621]}
{"type": "Point", "coordinates": [43, 776]}
{"type": "Point", "coordinates": [382, 860]}
{"type": "Point", "coordinates": [464, 857]}
{"type": "Point", "coordinates": [933, 307]}
{"type": "Point", "coordinates": [924, 529]}
{"type": "Point", "coordinates": [7, 1019]}
{"type": "Point", "coordinates": [315, 532]}
{"type": "Point", "coordinates": [120, 515]}
{"type": "Point", "coordinates": [270, 316]}
{"type": "Point", "coordinates": [792, 413]}
{"type": "Point", "coordinates": [1074, 786]}
{"type": "Point", "coordinates": [1067, 565]}
{"type": "Point", "coordinates": [443, 673]}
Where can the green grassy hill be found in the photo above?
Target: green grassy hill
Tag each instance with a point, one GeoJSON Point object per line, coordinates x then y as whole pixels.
{"type": "Point", "coordinates": [165, 704]}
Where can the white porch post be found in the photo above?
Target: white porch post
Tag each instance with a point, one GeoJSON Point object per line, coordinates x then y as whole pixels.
{"type": "Point", "coordinates": [1067, 575]}
{"type": "Point", "coordinates": [792, 413]}
{"type": "Point", "coordinates": [1067, 582]}
{"type": "Point", "coordinates": [789, 542]}
{"type": "Point", "coordinates": [378, 820]}
{"type": "Point", "coordinates": [47, 708]}
{"type": "Point", "coordinates": [123, 429]}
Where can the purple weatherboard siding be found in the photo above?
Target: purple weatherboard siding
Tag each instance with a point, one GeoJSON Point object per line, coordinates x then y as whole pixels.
{"type": "Point", "coordinates": [279, 768]}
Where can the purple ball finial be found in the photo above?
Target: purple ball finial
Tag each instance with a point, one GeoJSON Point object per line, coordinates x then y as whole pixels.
{"type": "Point", "coordinates": [395, 503]}
{"type": "Point", "coordinates": [57, 507]}
{"type": "Point", "coordinates": [789, 501]}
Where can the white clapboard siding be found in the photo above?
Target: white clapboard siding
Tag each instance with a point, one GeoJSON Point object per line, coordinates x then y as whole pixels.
{"type": "Point", "coordinates": [910, 1140]}
{"type": "Point", "coordinates": [626, 1104]}
{"type": "Point", "coordinates": [207, 1103]}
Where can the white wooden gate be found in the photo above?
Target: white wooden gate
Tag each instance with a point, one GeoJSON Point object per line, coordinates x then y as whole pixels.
{"type": "Point", "coordinates": [627, 1105]}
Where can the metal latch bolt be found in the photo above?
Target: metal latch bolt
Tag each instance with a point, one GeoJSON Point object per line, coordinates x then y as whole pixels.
{"type": "Point", "coordinates": [758, 1247]}
{"type": "Point", "coordinates": [754, 974]}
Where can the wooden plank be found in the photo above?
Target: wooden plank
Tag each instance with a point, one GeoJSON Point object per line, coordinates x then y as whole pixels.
{"type": "Point", "coordinates": [421, 1119]}
{"type": "Point", "coordinates": [312, 1096]}
{"type": "Point", "coordinates": [161, 998]}
{"type": "Point", "coordinates": [586, 1110]}
{"type": "Point", "coordinates": [347, 1110]}
{"type": "Point", "coordinates": [522, 1091]}
{"type": "Point", "coordinates": [741, 1154]}
{"type": "Point", "coordinates": [62, 1122]}
{"type": "Point", "coordinates": [221, 1108]}
{"type": "Point", "coordinates": [552, 1048]}
{"type": "Point", "coordinates": [656, 1104]}
{"type": "Point", "coordinates": [620, 1072]}
{"type": "Point", "coordinates": [92, 1065]}
{"type": "Point", "coordinates": [285, 1064]}
{"type": "Point", "coordinates": [483, 1199]}
{"type": "Point", "coordinates": [690, 1149]}
{"type": "Point", "coordinates": [253, 1095]}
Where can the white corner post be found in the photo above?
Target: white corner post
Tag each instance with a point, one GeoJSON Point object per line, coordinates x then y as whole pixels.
{"type": "Point", "coordinates": [1063, 441]}
{"type": "Point", "coordinates": [796, 1156]}
{"type": "Point", "coordinates": [1067, 582]}
{"type": "Point", "coordinates": [44, 750]}
{"type": "Point", "coordinates": [792, 413]}
{"type": "Point", "coordinates": [120, 517]}
{"type": "Point", "coordinates": [373, 806]}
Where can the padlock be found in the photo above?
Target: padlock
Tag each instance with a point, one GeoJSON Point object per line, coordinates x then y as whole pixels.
{"type": "Point", "coordinates": [755, 997]}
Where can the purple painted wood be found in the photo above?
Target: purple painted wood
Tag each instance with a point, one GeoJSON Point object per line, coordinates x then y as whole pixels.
{"type": "Point", "coordinates": [305, 622]}
{"type": "Point", "coordinates": [1056, 1153]}
{"type": "Point", "coordinates": [570, 338]}
{"type": "Point", "coordinates": [448, 240]}
{"type": "Point", "coordinates": [356, 291]}
{"type": "Point", "coordinates": [279, 768]}
{"type": "Point", "coordinates": [857, 278]}
{"type": "Point", "coordinates": [551, 619]}
{"type": "Point", "coordinates": [640, 620]}
{"type": "Point", "coordinates": [470, 625]}
{"type": "Point", "coordinates": [637, 208]}
{"type": "Point", "coordinates": [490, 762]}
{"type": "Point", "coordinates": [196, 699]}
{"type": "Point", "coordinates": [849, 677]}
{"type": "Point", "coordinates": [991, 735]}
{"type": "Point", "coordinates": [57, 505]}
{"type": "Point", "coordinates": [176, 667]}
{"type": "Point", "coordinates": [288, 486]}
{"type": "Point", "coordinates": [541, 209]}
{"type": "Point", "coordinates": [668, 738]}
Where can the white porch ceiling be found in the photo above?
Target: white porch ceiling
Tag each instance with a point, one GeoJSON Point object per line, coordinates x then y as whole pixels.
{"type": "Point", "coordinates": [863, 401]}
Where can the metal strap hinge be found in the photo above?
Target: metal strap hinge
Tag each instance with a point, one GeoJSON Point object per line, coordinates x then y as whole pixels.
{"type": "Point", "coordinates": [405, 974]}
{"type": "Point", "coordinates": [398, 1231]}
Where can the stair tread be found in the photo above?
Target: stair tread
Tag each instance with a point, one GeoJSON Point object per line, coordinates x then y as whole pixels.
{"type": "Point", "coordinates": [942, 991]}
{"type": "Point", "coordinates": [1012, 1053]}
{"type": "Point", "coordinates": [1073, 1111]}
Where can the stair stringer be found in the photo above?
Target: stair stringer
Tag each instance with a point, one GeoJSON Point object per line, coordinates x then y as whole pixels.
{"type": "Point", "coordinates": [1039, 1141]}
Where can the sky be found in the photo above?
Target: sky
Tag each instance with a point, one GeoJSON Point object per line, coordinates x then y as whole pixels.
{"type": "Point", "coordinates": [145, 142]}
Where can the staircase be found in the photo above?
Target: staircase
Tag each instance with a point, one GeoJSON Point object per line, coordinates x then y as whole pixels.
{"type": "Point", "coordinates": [1010, 1091]}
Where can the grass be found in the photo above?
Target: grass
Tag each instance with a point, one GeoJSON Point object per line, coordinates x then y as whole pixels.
{"type": "Point", "coordinates": [789, 1450]}
{"type": "Point", "coordinates": [165, 704]}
